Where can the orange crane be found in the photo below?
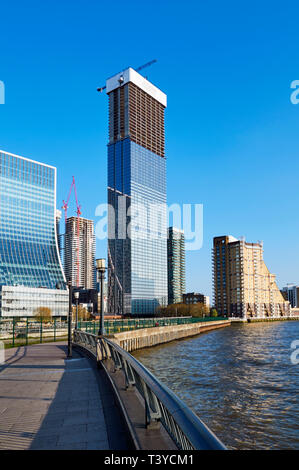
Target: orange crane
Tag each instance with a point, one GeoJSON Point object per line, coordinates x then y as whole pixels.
{"type": "Point", "coordinates": [65, 208]}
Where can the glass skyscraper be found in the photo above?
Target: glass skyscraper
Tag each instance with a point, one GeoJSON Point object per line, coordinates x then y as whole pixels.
{"type": "Point", "coordinates": [29, 260]}
{"type": "Point", "coordinates": [176, 265]}
{"type": "Point", "coordinates": [137, 228]}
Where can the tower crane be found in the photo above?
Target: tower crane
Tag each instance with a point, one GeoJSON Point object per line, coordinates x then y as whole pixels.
{"type": "Point", "coordinates": [78, 212]}
{"type": "Point", "coordinates": [137, 70]}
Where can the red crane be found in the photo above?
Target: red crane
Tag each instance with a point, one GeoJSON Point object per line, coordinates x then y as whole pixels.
{"type": "Point", "coordinates": [65, 208]}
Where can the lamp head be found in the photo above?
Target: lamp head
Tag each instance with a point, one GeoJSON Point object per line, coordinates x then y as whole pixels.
{"type": "Point", "coordinates": [101, 264]}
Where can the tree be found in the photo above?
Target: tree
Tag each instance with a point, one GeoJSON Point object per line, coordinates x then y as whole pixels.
{"type": "Point", "coordinates": [43, 314]}
{"type": "Point", "coordinates": [214, 312]}
{"type": "Point", "coordinates": [82, 313]}
{"type": "Point", "coordinates": [199, 310]}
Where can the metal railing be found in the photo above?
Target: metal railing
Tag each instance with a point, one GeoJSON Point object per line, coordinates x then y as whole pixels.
{"type": "Point", "coordinates": [22, 331]}
{"type": "Point", "coordinates": [18, 331]}
{"type": "Point", "coordinates": [184, 427]}
{"type": "Point", "coordinates": [121, 325]}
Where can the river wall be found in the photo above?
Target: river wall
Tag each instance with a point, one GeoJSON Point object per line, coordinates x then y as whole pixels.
{"type": "Point", "coordinates": [147, 337]}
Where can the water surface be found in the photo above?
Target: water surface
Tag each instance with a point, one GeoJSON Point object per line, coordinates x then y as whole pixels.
{"type": "Point", "coordinates": [239, 380]}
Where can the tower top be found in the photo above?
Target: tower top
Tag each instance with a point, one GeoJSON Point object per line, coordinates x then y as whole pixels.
{"type": "Point", "coordinates": [130, 75]}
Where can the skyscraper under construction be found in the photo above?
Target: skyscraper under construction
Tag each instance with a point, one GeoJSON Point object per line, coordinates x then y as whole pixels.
{"type": "Point", "coordinates": [79, 252]}
{"type": "Point", "coordinates": [137, 252]}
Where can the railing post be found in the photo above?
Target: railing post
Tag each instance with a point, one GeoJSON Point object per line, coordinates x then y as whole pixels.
{"type": "Point", "coordinates": [97, 353]}
{"type": "Point", "coordinates": [152, 418]}
{"type": "Point", "coordinates": [130, 381]}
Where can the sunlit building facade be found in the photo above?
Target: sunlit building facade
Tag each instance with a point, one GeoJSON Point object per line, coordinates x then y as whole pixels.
{"type": "Point", "coordinates": [137, 232]}
{"type": "Point", "coordinates": [79, 252]}
{"type": "Point", "coordinates": [30, 266]}
{"type": "Point", "coordinates": [243, 285]}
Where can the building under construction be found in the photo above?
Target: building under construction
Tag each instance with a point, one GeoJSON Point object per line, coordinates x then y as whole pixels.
{"type": "Point", "coordinates": [137, 258]}
{"type": "Point", "coordinates": [79, 252]}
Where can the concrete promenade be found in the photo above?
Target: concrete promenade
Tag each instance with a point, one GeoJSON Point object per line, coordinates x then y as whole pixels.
{"type": "Point", "coordinates": [49, 402]}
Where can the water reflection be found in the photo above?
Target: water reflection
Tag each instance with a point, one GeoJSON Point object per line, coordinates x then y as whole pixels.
{"type": "Point", "coordinates": [239, 380]}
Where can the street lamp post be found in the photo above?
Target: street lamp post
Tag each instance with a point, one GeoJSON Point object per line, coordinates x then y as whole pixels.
{"type": "Point", "coordinates": [76, 295]}
{"type": "Point", "coordinates": [101, 268]}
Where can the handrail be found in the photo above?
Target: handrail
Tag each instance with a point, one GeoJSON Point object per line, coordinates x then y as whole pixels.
{"type": "Point", "coordinates": [162, 405]}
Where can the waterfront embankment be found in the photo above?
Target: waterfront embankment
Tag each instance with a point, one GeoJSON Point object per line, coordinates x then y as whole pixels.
{"type": "Point", "coordinates": [263, 319]}
{"type": "Point", "coordinates": [148, 337]}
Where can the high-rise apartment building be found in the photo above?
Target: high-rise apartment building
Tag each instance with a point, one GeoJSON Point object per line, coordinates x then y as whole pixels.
{"type": "Point", "coordinates": [137, 250]}
{"type": "Point", "coordinates": [30, 267]}
{"type": "Point", "coordinates": [79, 252]}
{"type": "Point", "coordinates": [176, 265]}
{"type": "Point", "coordinates": [243, 285]}
{"type": "Point", "coordinates": [291, 293]}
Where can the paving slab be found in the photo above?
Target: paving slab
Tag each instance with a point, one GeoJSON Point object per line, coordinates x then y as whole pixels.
{"type": "Point", "coordinates": [50, 402]}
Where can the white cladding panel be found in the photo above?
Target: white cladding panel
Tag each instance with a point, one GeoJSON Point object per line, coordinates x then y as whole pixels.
{"type": "Point", "coordinates": [130, 75]}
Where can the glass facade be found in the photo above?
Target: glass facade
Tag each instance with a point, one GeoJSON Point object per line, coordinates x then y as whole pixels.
{"type": "Point", "coordinates": [176, 265]}
{"type": "Point", "coordinates": [20, 301]}
{"type": "Point", "coordinates": [137, 253]}
{"type": "Point", "coordinates": [28, 243]}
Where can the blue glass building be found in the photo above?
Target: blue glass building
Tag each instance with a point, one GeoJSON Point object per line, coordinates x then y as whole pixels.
{"type": "Point", "coordinates": [29, 258]}
{"type": "Point", "coordinates": [137, 228]}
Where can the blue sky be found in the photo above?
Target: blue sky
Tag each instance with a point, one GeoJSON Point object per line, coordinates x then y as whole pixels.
{"type": "Point", "coordinates": [231, 130]}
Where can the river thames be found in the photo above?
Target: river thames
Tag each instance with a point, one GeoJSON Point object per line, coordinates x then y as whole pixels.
{"type": "Point", "coordinates": [239, 380]}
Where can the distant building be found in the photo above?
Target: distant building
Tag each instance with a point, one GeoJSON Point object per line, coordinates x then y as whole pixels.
{"type": "Point", "coordinates": [243, 286]}
{"type": "Point", "coordinates": [195, 298]}
{"type": "Point", "coordinates": [58, 234]}
{"type": "Point", "coordinates": [79, 252]}
{"type": "Point", "coordinates": [291, 293]}
{"type": "Point", "coordinates": [88, 298]}
{"type": "Point", "coordinates": [30, 266]}
{"type": "Point", "coordinates": [176, 265]}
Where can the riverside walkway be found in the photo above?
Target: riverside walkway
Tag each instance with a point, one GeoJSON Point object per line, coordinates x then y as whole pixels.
{"type": "Point", "coordinates": [50, 402]}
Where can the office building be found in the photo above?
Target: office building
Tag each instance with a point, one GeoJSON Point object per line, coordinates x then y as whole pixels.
{"type": "Point", "coordinates": [79, 252]}
{"type": "Point", "coordinates": [291, 293]}
{"type": "Point", "coordinates": [30, 267]}
{"type": "Point", "coordinates": [243, 285]}
{"type": "Point", "coordinates": [176, 265]}
{"type": "Point", "coordinates": [137, 252]}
